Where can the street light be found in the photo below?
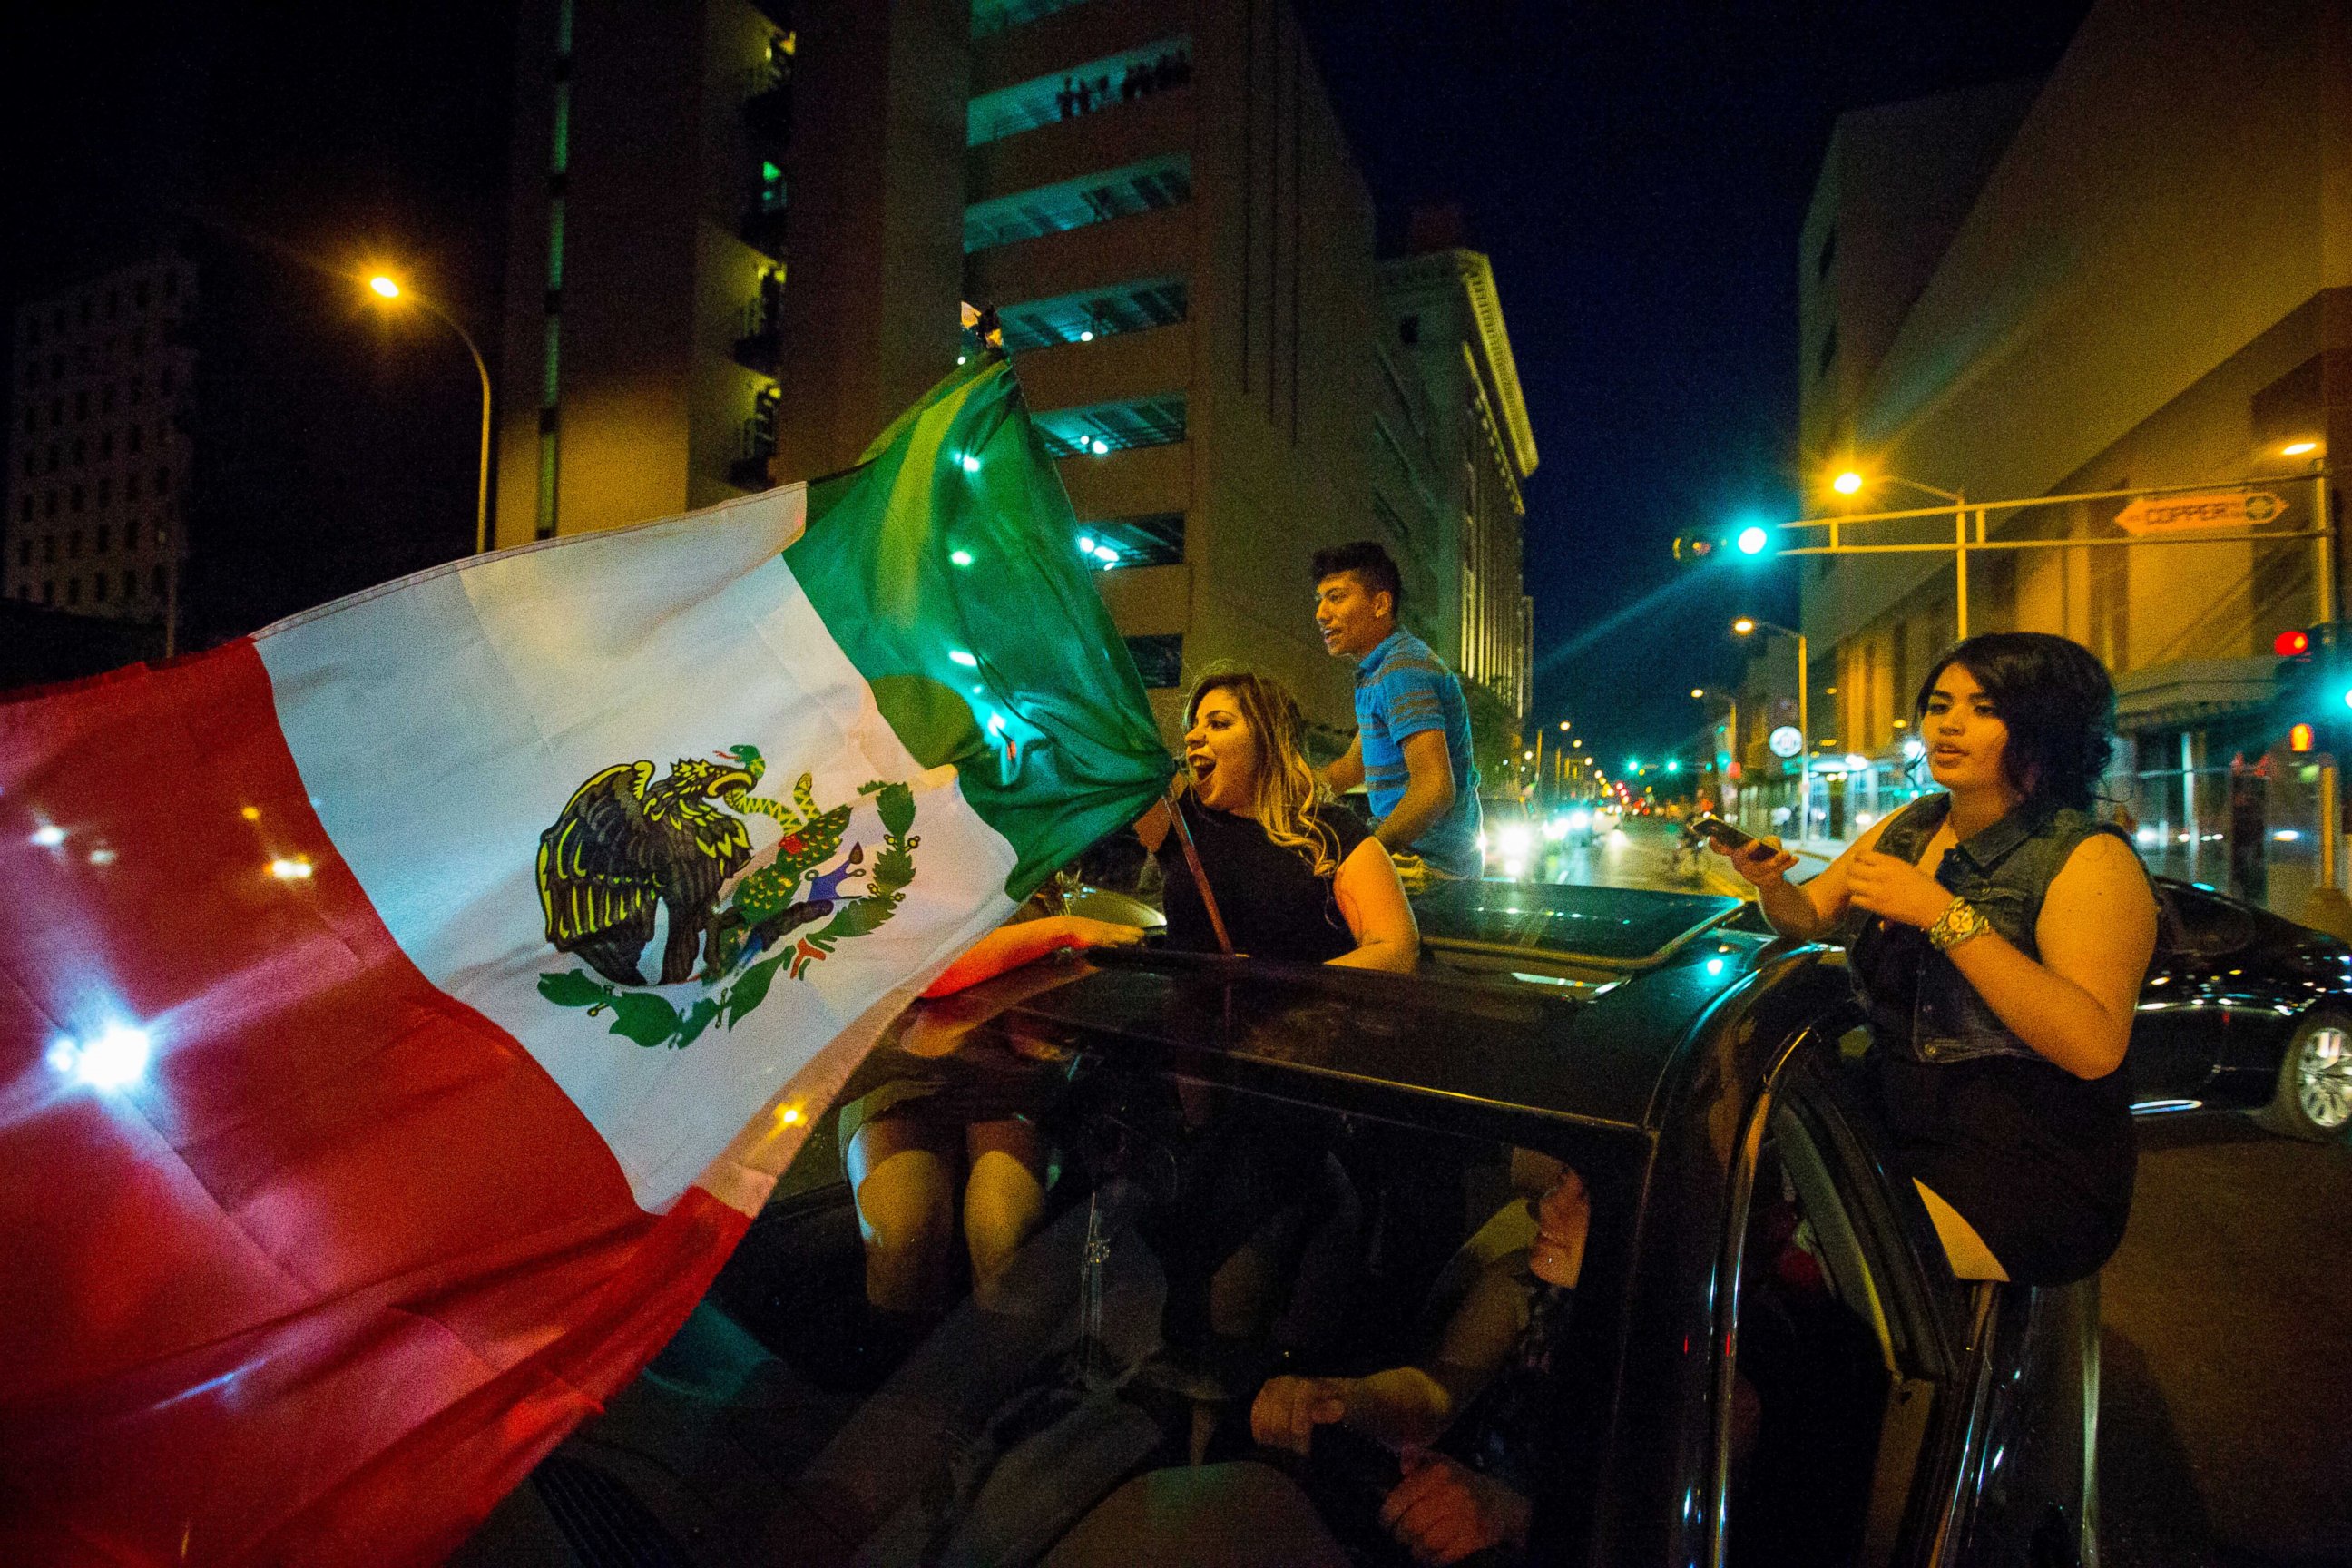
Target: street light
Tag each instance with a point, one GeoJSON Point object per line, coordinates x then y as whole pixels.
{"type": "Point", "coordinates": [387, 288]}
{"type": "Point", "coordinates": [1851, 481]}
{"type": "Point", "coordinates": [1747, 626]}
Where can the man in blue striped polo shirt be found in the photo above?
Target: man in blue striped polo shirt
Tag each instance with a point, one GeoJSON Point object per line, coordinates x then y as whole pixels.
{"type": "Point", "coordinates": [1411, 751]}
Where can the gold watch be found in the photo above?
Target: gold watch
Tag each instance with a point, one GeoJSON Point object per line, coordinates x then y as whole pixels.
{"type": "Point", "coordinates": [1958, 923]}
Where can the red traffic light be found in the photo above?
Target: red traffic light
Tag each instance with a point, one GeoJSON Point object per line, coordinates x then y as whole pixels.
{"type": "Point", "coordinates": [2291, 645]}
{"type": "Point", "coordinates": [2298, 736]}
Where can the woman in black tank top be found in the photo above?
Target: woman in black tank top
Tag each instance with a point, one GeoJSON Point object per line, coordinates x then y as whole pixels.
{"type": "Point", "coordinates": [1292, 878]}
{"type": "Point", "coordinates": [1998, 938]}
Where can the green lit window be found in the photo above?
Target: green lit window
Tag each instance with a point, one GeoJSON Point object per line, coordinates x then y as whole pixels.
{"type": "Point", "coordinates": [1107, 428]}
{"type": "Point", "coordinates": [559, 155]}
{"type": "Point", "coordinates": [547, 366]}
{"type": "Point", "coordinates": [990, 16]}
{"type": "Point", "coordinates": [564, 26]}
{"type": "Point", "coordinates": [554, 245]}
{"type": "Point", "coordinates": [1156, 183]}
{"type": "Point", "coordinates": [1093, 313]}
{"type": "Point", "coordinates": [545, 526]}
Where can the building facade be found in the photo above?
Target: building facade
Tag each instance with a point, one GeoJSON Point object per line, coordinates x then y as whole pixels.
{"type": "Point", "coordinates": [1452, 444]}
{"type": "Point", "coordinates": [2022, 291]}
{"type": "Point", "coordinates": [1163, 212]}
{"type": "Point", "coordinates": [1155, 198]}
{"type": "Point", "coordinates": [95, 498]}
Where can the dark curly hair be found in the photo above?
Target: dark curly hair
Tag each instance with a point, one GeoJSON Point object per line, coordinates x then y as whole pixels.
{"type": "Point", "coordinates": [2057, 702]}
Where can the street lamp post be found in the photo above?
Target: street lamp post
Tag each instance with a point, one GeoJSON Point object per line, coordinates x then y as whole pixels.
{"type": "Point", "coordinates": [387, 289]}
{"type": "Point", "coordinates": [1850, 482]}
{"type": "Point", "coordinates": [1747, 625]}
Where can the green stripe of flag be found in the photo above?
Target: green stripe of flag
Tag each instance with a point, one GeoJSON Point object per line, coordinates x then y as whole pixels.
{"type": "Point", "coordinates": [946, 567]}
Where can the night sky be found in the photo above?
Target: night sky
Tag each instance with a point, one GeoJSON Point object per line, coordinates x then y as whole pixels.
{"type": "Point", "coordinates": [1638, 174]}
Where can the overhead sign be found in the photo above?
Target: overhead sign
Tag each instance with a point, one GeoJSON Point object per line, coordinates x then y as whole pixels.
{"type": "Point", "coordinates": [2193, 514]}
{"type": "Point", "coordinates": [1785, 741]}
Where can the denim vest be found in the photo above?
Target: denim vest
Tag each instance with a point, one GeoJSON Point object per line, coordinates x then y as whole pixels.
{"type": "Point", "coordinates": [1920, 1006]}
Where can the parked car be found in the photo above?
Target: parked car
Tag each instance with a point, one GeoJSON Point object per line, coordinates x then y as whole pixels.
{"type": "Point", "coordinates": [2243, 1009]}
{"type": "Point", "coordinates": [1768, 1359]}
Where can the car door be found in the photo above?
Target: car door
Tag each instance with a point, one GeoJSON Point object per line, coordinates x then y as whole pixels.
{"type": "Point", "coordinates": [1917, 1444]}
{"type": "Point", "coordinates": [2181, 1031]}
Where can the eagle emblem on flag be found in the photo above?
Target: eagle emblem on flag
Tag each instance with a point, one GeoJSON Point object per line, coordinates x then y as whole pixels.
{"type": "Point", "coordinates": [627, 848]}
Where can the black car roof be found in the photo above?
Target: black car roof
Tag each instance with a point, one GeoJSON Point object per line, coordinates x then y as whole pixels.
{"type": "Point", "coordinates": [1612, 928]}
{"type": "Point", "coordinates": [1494, 1044]}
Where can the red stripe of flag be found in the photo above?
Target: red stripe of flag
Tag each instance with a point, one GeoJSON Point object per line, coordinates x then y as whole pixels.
{"type": "Point", "coordinates": [325, 1281]}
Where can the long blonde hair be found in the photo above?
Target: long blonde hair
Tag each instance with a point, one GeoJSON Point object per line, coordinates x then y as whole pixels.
{"type": "Point", "coordinates": [1287, 789]}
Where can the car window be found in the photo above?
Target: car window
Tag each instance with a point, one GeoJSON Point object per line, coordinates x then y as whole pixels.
{"type": "Point", "coordinates": [1188, 1241]}
{"type": "Point", "coordinates": [1833, 1389]}
{"type": "Point", "coordinates": [2201, 924]}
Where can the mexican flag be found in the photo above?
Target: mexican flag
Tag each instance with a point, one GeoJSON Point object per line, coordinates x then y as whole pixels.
{"type": "Point", "coordinates": [403, 1010]}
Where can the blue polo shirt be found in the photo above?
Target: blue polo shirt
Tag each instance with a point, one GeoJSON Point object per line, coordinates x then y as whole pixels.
{"type": "Point", "coordinates": [1403, 689]}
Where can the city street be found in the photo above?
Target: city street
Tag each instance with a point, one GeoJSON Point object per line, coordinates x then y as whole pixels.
{"type": "Point", "coordinates": [2225, 1436]}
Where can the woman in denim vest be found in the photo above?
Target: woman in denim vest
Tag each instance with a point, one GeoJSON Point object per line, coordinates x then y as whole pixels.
{"type": "Point", "coordinates": [1998, 938]}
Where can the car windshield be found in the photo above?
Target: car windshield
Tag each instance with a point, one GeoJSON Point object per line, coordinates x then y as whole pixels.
{"type": "Point", "coordinates": [1615, 928]}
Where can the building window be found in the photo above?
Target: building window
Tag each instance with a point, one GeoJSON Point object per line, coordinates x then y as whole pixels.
{"type": "Point", "coordinates": [1156, 539]}
{"type": "Point", "coordinates": [74, 498]}
{"type": "Point", "coordinates": [131, 438]}
{"type": "Point", "coordinates": [1107, 427]}
{"type": "Point", "coordinates": [990, 16]}
{"type": "Point", "coordinates": [1094, 313]}
{"type": "Point", "coordinates": [163, 480]}
{"type": "Point", "coordinates": [1147, 186]}
{"type": "Point", "coordinates": [105, 538]}
{"type": "Point", "coordinates": [99, 583]}
{"type": "Point", "coordinates": [73, 590]}
{"type": "Point", "coordinates": [163, 584]}
{"type": "Point", "coordinates": [1158, 660]}
{"type": "Point", "coordinates": [130, 584]}
{"type": "Point", "coordinates": [1409, 330]}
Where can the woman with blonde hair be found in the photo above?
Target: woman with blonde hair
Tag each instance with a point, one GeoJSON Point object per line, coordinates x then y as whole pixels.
{"type": "Point", "coordinates": [1292, 878]}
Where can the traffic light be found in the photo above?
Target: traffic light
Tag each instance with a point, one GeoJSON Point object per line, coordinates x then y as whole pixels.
{"type": "Point", "coordinates": [2313, 687]}
{"type": "Point", "coordinates": [1746, 539]}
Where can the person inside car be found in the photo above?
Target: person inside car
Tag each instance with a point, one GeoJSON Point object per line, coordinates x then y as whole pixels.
{"type": "Point", "coordinates": [1436, 1457]}
{"type": "Point", "coordinates": [1292, 878]}
{"type": "Point", "coordinates": [1998, 938]}
{"type": "Point", "coordinates": [911, 1142]}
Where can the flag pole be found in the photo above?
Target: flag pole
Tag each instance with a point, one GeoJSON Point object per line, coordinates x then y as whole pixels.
{"type": "Point", "coordinates": [1200, 877]}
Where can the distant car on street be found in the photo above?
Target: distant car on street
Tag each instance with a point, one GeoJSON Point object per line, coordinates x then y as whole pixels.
{"type": "Point", "coordinates": [1264, 1168]}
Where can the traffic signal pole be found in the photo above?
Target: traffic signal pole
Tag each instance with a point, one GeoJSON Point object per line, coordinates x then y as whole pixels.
{"type": "Point", "coordinates": [2327, 909]}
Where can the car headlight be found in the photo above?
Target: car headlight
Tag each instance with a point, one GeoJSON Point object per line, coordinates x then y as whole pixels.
{"type": "Point", "coordinates": [1579, 821]}
{"type": "Point", "coordinates": [1515, 840]}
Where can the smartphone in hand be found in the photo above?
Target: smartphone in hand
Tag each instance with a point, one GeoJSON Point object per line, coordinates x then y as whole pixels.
{"type": "Point", "coordinates": [1728, 838]}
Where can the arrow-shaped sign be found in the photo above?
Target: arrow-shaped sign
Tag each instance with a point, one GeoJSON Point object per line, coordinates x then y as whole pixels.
{"type": "Point", "coordinates": [2192, 514]}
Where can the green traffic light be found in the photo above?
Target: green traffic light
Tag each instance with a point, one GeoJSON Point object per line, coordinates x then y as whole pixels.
{"type": "Point", "coordinates": [1752, 539]}
{"type": "Point", "coordinates": [1674, 766]}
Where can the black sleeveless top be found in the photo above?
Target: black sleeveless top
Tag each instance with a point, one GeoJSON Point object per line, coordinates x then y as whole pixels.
{"type": "Point", "coordinates": [2040, 1163]}
{"type": "Point", "coordinates": [1274, 904]}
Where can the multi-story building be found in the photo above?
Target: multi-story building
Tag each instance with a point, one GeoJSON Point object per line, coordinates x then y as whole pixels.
{"type": "Point", "coordinates": [1164, 213]}
{"type": "Point", "coordinates": [1153, 194]}
{"type": "Point", "coordinates": [95, 494]}
{"type": "Point", "coordinates": [1452, 444]}
{"type": "Point", "coordinates": [2136, 274]}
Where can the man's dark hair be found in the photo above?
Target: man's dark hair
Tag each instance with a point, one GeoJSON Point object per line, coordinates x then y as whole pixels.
{"type": "Point", "coordinates": [1367, 560]}
{"type": "Point", "coordinates": [2057, 702]}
